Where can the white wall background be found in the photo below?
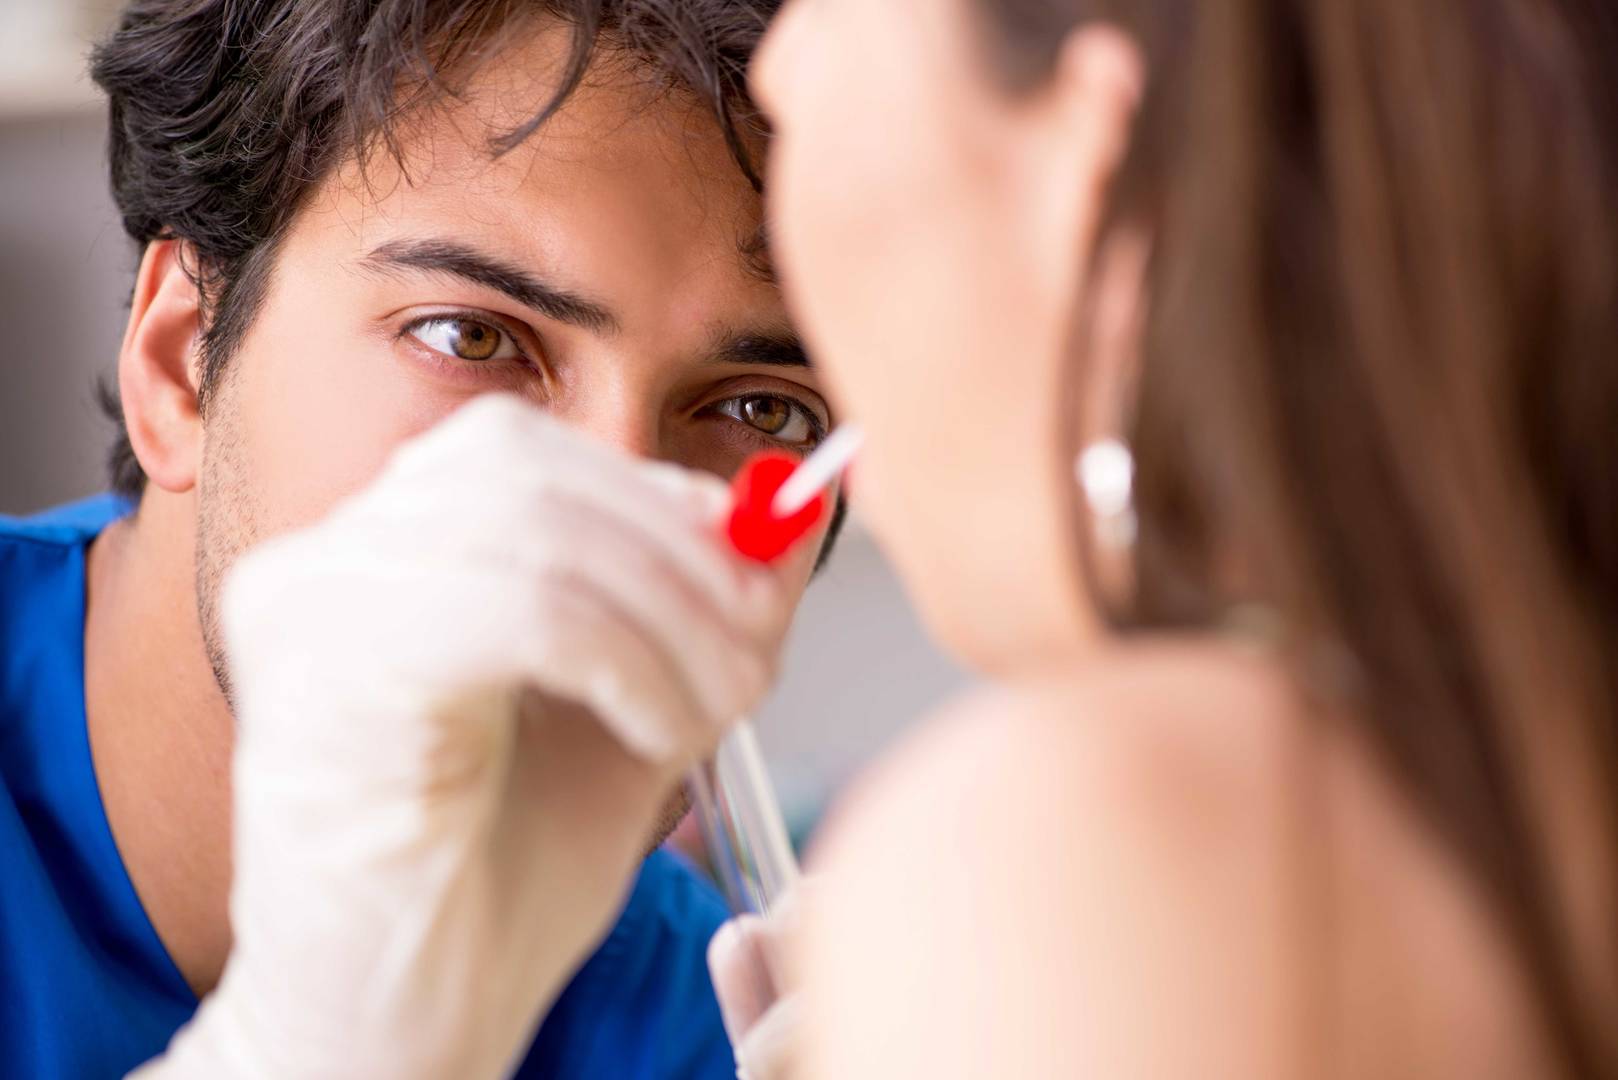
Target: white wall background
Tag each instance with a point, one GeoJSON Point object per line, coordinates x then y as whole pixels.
{"type": "Point", "coordinates": [858, 669]}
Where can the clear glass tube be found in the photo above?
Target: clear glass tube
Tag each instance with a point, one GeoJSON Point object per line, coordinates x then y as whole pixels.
{"type": "Point", "coordinates": [747, 840]}
{"type": "Point", "coordinates": [742, 825]}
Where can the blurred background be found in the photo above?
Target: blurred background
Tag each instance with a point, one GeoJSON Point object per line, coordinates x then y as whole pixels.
{"type": "Point", "coordinates": [858, 669]}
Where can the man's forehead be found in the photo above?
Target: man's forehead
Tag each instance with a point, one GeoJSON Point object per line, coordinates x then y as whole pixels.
{"type": "Point", "coordinates": [619, 120]}
{"type": "Point", "coordinates": [622, 165]}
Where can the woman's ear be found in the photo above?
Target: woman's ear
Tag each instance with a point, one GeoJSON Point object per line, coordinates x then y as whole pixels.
{"type": "Point", "coordinates": [1097, 84]}
{"type": "Point", "coordinates": [1082, 121]}
{"type": "Point", "coordinates": [158, 369]}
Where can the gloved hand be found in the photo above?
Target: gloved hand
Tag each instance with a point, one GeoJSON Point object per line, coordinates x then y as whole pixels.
{"type": "Point", "coordinates": [429, 839]}
{"type": "Point", "coordinates": [747, 960]}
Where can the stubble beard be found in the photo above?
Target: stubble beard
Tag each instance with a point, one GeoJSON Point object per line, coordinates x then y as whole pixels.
{"type": "Point", "coordinates": [227, 525]}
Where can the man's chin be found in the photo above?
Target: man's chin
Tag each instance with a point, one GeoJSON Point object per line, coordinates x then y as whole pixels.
{"type": "Point", "coordinates": [673, 812]}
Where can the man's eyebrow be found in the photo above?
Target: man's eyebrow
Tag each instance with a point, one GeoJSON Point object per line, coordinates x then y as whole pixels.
{"type": "Point", "coordinates": [772, 350]}
{"type": "Point", "coordinates": [469, 264]}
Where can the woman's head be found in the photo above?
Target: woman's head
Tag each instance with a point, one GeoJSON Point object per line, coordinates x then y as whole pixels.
{"type": "Point", "coordinates": [931, 232]}
{"type": "Point", "coordinates": [1366, 363]}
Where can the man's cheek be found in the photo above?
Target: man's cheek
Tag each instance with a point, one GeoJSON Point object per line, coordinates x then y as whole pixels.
{"type": "Point", "coordinates": [320, 432]}
{"type": "Point", "coordinates": [799, 565]}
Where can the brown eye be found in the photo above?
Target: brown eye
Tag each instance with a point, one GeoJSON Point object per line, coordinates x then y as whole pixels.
{"type": "Point", "coordinates": [770, 415]}
{"type": "Point", "coordinates": [475, 341]}
{"type": "Point", "coordinates": [466, 339]}
{"type": "Point", "coordinates": [782, 419]}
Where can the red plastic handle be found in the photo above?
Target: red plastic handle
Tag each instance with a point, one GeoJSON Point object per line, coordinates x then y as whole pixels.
{"type": "Point", "coordinates": [754, 530]}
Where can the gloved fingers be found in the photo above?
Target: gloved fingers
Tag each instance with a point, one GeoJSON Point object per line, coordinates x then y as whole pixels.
{"type": "Point", "coordinates": [767, 1051]}
{"type": "Point", "coordinates": [596, 537]}
{"type": "Point", "coordinates": [518, 523]}
{"type": "Point", "coordinates": [585, 650]}
{"type": "Point", "coordinates": [527, 451]}
{"type": "Point", "coordinates": [751, 596]}
{"type": "Point", "coordinates": [622, 634]}
{"type": "Point", "coordinates": [724, 660]}
{"type": "Point", "coordinates": [742, 977]}
{"type": "Point", "coordinates": [539, 459]}
{"type": "Point", "coordinates": [654, 503]}
{"type": "Point", "coordinates": [760, 1018]}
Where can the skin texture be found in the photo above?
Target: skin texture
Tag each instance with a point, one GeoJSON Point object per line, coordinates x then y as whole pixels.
{"type": "Point", "coordinates": [626, 198]}
{"type": "Point", "coordinates": [1138, 859]}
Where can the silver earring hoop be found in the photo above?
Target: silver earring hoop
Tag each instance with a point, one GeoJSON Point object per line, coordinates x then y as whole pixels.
{"type": "Point", "coordinates": [1105, 471]}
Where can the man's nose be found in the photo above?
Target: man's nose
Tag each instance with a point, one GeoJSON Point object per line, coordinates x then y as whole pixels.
{"type": "Point", "coordinates": [628, 418]}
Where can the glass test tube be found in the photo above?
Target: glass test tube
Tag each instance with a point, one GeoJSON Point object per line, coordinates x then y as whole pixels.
{"type": "Point", "coordinates": [746, 837]}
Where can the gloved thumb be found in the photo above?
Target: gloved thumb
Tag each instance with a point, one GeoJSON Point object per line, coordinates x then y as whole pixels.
{"type": "Point", "coordinates": [760, 1022]}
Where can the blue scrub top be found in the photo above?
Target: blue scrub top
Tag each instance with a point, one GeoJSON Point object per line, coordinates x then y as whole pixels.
{"type": "Point", "coordinates": [86, 987]}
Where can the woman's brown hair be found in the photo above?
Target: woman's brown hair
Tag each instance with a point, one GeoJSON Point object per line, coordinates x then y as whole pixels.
{"type": "Point", "coordinates": [1379, 395]}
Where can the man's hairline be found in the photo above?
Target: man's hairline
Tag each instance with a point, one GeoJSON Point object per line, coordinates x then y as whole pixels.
{"type": "Point", "coordinates": [263, 261]}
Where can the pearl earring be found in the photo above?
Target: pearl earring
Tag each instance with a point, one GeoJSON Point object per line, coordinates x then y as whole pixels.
{"type": "Point", "coordinates": [1105, 471]}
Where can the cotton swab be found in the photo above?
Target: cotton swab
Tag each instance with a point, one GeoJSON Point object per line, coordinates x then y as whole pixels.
{"type": "Point", "coordinates": [777, 499]}
{"type": "Point", "coordinates": [818, 470]}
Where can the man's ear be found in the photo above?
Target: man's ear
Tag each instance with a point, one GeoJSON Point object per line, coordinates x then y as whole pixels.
{"type": "Point", "coordinates": [158, 369]}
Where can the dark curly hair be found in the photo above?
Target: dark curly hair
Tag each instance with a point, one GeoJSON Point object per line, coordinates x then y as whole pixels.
{"type": "Point", "coordinates": [225, 114]}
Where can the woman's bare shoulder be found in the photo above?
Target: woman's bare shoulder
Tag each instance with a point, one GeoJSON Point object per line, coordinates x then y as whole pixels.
{"type": "Point", "coordinates": [1175, 731]}
{"type": "Point", "coordinates": [1130, 866]}
{"type": "Point", "coordinates": [1114, 837]}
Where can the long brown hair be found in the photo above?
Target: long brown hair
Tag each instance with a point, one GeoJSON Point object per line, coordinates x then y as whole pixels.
{"type": "Point", "coordinates": [1380, 379]}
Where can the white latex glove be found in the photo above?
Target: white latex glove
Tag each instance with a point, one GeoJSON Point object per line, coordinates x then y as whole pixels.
{"type": "Point", "coordinates": [424, 850]}
{"type": "Point", "coordinates": [746, 959]}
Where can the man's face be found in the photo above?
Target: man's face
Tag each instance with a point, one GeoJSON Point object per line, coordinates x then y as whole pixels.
{"type": "Point", "coordinates": [598, 269]}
